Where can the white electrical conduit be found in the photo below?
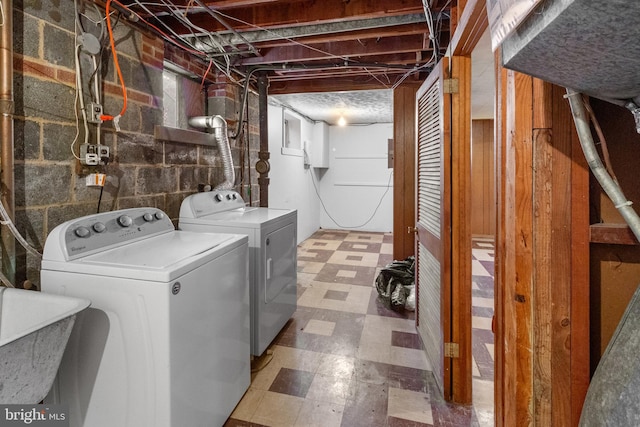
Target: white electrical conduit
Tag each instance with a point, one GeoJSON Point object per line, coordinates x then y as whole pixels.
{"type": "Point", "coordinates": [219, 126]}
{"type": "Point", "coordinates": [595, 164]}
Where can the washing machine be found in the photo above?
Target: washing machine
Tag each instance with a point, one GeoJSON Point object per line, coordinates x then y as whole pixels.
{"type": "Point", "coordinates": [272, 254]}
{"type": "Point", "coordinates": [166, 340]}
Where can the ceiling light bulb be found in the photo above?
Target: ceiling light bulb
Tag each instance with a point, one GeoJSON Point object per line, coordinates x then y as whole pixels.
{"type": "Point", "coordinates": [342, 121]}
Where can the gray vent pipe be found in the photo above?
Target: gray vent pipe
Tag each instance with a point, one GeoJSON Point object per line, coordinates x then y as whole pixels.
{"type": "Point", "coordinates": [219, 126]}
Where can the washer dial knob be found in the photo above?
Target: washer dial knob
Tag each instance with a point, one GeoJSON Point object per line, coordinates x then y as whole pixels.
{"type": "Point", "coordinates": [99, 227]}
{"type": "Point", "coordinates": [159, 215]}
{"type": "Point", "coordinates": [125, 221]}
{"type": "Point", "coordinates": [147, 217]}
{"type": "Point", "coordinates": [82, 231]}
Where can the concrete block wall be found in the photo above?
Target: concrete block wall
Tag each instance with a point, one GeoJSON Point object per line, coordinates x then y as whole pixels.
{"type": "Point", "coordinates": [50, 183]}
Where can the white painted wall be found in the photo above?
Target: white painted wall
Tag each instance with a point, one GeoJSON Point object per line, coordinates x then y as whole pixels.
{"type": "Point", "coordinates": [358, 179]}
{"type": "Point", "coordinates": [290, 185]}
{"type": "Point", "coordinates": [353, 185]}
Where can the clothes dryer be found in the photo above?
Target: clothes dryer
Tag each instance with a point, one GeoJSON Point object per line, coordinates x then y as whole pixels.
{"type": "Point", "coordinates": [272, 254]}
{"type": "Point", "coordinates": [166, 340]}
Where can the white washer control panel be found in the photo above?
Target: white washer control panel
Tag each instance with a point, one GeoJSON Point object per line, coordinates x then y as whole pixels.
{"type": "Point", "coordinates": [83, 236]}
{"type": "Point", "coordinates": [211, 202]}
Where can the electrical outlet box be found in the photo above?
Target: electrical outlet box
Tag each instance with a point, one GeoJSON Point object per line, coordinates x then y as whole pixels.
{"type": "Point", "coordinates": [96, 180]}
{"type": "Point", "coordinates": [93, 154]}
{"type": "Point", "coordinates": [94, 113]}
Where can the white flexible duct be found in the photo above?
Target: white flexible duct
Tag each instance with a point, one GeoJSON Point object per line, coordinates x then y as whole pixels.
{"type": "Point", "coordinates": [595, 164]}
{"type": "Point", "coordinates": [219, 126]}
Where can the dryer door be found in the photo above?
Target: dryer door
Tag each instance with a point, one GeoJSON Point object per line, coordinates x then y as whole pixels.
{"type": "Point", "coordinates": [280, 261]}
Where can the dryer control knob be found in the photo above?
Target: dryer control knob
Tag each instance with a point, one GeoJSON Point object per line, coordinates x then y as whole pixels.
{"type": "Point", "coordinates": [159, 215]}
{"type": "Point", "coordinates": [228, 196]}
{"type": "Point", "coordinates": [82, 231]}
{"type": "Point", "coordinates": [218, 197]}
{"type": "Point", "coordinates": [99, 227]}
{"type": "Point", "coordinates": [125, 221]}
{"type": "Point", "coordinates": [147, 217]}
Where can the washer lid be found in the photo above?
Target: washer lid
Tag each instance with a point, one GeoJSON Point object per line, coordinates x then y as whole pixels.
{"type": "Point", "coordinates": [249, 217]}
{"type": "Point", "coordinates": [161, 258]}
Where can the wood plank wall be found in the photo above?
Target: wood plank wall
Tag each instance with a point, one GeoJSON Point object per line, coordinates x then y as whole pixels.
{"type": "Point", "coordinates": [483, 208]}
{"type": "Point", "coordinates": [542, 283]}
{"type": "Point", "coordinates": [404, 170]}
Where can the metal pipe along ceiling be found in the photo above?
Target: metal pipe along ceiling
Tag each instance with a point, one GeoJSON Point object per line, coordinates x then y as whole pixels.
{"type": "Point", "coordinates": [6, 133]}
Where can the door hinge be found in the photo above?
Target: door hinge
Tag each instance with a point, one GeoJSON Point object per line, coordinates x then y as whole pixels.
{"type": "Point", "coordinates": [451, 349]}
{"type": "Point", "coordinates": [450, 85]}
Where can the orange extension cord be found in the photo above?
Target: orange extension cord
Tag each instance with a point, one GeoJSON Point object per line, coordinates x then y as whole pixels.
{"type": "Point", "coordinates": [115, 119]}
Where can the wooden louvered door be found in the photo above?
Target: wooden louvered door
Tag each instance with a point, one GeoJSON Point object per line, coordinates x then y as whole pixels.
{"type": "Point", "coordinates": [433, 231]}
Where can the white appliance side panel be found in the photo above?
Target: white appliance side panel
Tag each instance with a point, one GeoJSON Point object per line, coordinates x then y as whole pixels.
{"type": "Point", "coordinates": [141, 356]}
{"type": "Point", "coordinates": [115, 367]}
{"type": "Point", "coordinates": [275, 299]}
{"type": "Point", "coordinates": [210, 348]}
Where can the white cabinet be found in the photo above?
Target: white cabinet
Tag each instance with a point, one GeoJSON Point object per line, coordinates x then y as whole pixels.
{"type": "Point", "coordinates": [319, 150]}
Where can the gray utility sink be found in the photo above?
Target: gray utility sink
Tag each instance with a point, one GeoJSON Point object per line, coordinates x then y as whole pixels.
{"type": "Point", "coordinates": [34, 330]}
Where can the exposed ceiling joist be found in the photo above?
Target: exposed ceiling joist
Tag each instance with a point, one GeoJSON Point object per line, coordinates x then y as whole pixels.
{"type": "Point", "coordinates": [373, 43]}
{"type": "Point", "coordinates": [414, 23]}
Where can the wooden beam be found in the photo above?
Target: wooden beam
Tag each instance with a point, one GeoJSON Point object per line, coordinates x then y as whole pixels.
{"type": "Point", "coordinates": [360, 49]}
{"type": "Point", "coordinates": [612, 234]}
{"type": "Point", "coordinates": [372, 33]}
{"type": "Point", "coordinates": [293, 13]}
{"type": "Point", "coordinates": [329, 85]}
{"type": "Point", "coordinates": [472, 24]}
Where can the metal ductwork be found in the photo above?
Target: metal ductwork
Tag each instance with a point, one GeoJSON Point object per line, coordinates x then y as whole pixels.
{"type": "Point", "coordinates": [219, 126]}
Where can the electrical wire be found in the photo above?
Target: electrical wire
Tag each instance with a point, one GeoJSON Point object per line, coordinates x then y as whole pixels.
{"type": "Point", "coordinates": [79, 95]}
{"type": "Point", "coordinates": [610, 187]}
{"type": "Point", "coordinates": [115, 119]}
{"type": "Point", "coordinates": [375, 211]}
{"type": "Point", "coordinates": [603, 140]}
{"type": "Point", "coordinates": [100, 199]}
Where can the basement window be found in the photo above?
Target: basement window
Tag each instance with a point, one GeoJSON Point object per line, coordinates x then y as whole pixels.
{"type": "Point", "coordinates": [170, 99]}
{"type": "Point", "coordinates": [291, 135]}
{"type": "Point", "coordinates": [182, 97]}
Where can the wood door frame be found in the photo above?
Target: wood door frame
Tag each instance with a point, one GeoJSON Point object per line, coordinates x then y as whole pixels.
{"type": "Point", "coordinates": [461, 327]}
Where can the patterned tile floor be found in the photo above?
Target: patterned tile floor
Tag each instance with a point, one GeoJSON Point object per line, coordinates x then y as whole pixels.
{"type": "Point", "coordinates": [345, 359]}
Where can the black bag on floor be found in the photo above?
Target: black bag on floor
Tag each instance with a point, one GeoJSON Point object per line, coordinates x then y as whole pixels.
{"type": "Point", "coordinates": [394, 282]}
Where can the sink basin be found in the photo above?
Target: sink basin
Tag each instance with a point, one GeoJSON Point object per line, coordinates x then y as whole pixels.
{"type": "Point", "coordinates": [34, 329]}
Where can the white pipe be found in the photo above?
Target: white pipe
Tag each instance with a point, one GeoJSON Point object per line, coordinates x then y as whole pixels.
{"type": "Point", "coordinates": [219, 126]}
{"type": "Point", "coordinates": [595, 164]}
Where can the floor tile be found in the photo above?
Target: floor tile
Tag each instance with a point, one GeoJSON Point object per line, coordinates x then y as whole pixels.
{"type": "Point", "coordinates": [320, 327]}
{"type": "Point", "coordinates": [366, 406]}
{"type": "Point", "coordinates": [353, 258]}
{"type": "Point", "coordinates": [478, 269]}
{"type": "Point", "coordinates": [409, 405]}
{"type": "Point", "coordinates": [329, 389]}
{"type": "Point", "coordinates": [346, 358]}
{"type": "Point", "coordinates": [336, 295]}
{"type": "Point", "coordinates": [276, 409]}
{"type": "Point", "coordinates": [320, 414]}
{"type": "Point", "coordinates": [405, 339]}
{"type": "Point", "coordinates": [481, 322]}
{"type": "Point", "coordinates": [292, 382]}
